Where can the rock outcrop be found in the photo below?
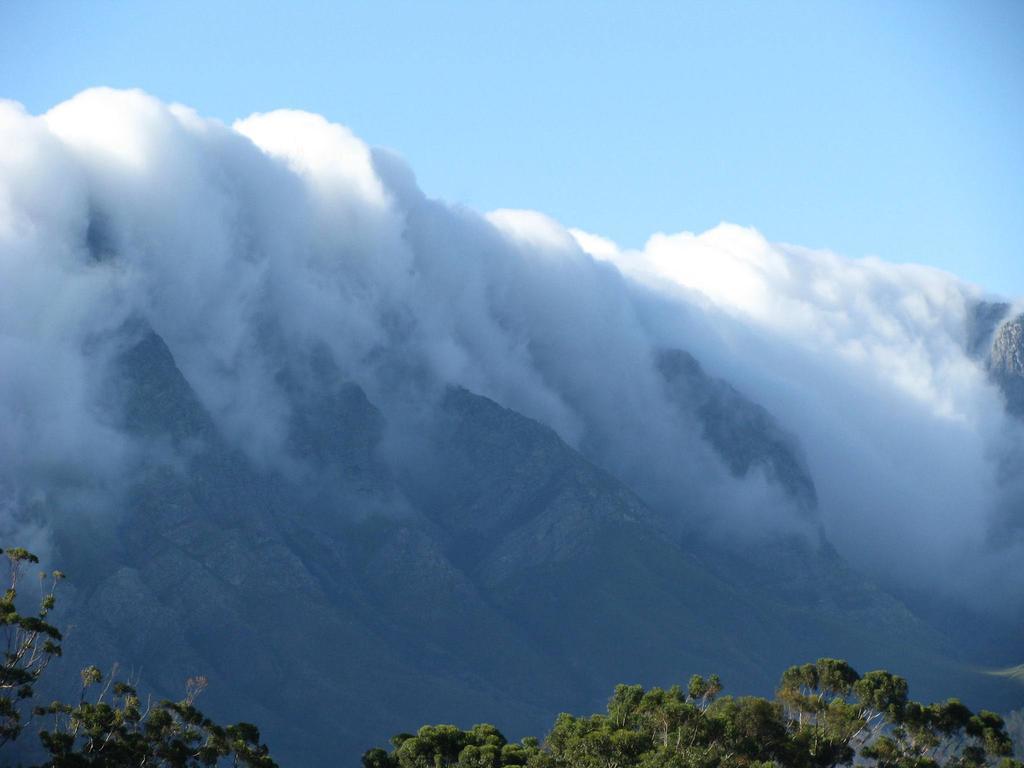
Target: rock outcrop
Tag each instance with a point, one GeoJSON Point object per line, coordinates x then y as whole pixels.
{"type": "Point", "coordinates": [1006, 363]}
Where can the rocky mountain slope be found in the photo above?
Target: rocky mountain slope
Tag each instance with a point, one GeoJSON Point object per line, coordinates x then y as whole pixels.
{"type": "Point", "coordinates": [742, 432]}
{"type": "Point", "coordinates": [995, 336]}
{"type": "Point", "coordinates": [1006, 363]}
{"type": "Point", "coordinates": [502, 575]}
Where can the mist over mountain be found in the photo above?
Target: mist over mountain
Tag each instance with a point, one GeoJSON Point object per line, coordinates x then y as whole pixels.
{"type": "Point", "coordinates": [226, 346]}
{"type": "Point", "coordinates": [284, 239]}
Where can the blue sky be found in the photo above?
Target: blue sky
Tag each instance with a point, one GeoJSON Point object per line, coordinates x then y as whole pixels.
{"type": "Point", "coordinates": [894, 129]}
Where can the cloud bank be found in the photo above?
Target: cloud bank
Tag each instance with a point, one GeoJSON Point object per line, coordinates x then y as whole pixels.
{"type": "Point", "coordinates": [251, 247]}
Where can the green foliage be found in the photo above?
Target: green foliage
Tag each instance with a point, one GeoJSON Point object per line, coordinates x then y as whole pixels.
{"type": "Point", "coordinates": [824, 714]}
{"type": "Point", "coordinates": [434, 746]}
{"type": "Point", "coordinates": [116, 730]}
{"type": "Point", "coordinates": [29, 643]}
{"type": "Point", "coordinates": [109, 727]}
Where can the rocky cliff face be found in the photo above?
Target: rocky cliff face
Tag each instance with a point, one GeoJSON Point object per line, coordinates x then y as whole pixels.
{"type": "Point", "coordinates": [1006, 363]}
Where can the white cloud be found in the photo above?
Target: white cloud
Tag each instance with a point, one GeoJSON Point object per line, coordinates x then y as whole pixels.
{"type": "Point", "coordinates": [246, 247]}
{"type": "Point", "coordinates": [597, 246]}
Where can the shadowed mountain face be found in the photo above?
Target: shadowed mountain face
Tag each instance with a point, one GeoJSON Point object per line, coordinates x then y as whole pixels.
{"type": "Point", "coordinates": [743, 433]}
{"type": "Point", "coordinates": [284, 591]}
{"type": "Point", "coordinates": [983, 320]}
{"type": "Point", "coordinates": [501, 576]}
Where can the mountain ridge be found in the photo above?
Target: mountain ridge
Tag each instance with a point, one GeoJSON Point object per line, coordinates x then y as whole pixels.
{"type": "Point", "coordinates": [513, 565]}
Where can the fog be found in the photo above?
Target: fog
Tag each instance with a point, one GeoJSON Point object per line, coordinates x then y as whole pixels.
{"type": "Point", "coordinates": [251, 247]}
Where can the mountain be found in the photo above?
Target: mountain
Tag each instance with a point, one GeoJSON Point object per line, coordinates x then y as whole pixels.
{"type": "Point", "coordinates": [499, 575]}
{"type": "Point", "coordinates": [284, 592]}
{"type": "Point", "coordinates": [364, 458]}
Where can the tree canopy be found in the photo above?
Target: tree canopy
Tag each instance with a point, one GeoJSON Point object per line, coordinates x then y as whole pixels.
{"type": "Point", "coordinates": [823, 714]}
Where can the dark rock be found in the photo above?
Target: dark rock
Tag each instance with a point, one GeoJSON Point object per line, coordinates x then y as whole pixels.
{"type": "Point", "coordinates": [742, 432]}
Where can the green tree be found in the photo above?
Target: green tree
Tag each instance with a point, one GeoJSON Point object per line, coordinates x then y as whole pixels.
{"type": "Point", "coordinates": [821, 721]}
{"type": "Point", "coordinates": [30, 642]}
{"type": "Point", "coordinates": [110, 728]}
{"type": "Point", "coordinates": [825, 714]}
